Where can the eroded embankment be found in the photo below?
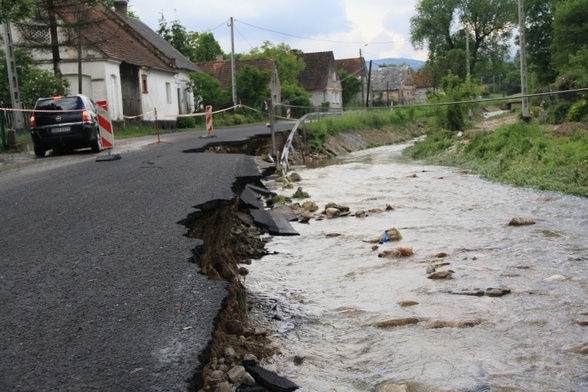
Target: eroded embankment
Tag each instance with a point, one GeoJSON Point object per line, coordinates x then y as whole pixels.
{"type": "Point", "coordinates": [230, 239]}
{"type": "Point", "coordinates": [228, 242]}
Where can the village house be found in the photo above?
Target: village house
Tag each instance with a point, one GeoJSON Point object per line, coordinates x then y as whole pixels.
{"type": "Point", "coordinates": [221, 70]}
{"type": "Point", "coordinates": [123, 62]}
{"type": "Point", "coordinates": [391, 85]}
{"type": "Point", "coordinates": [423, 85]}
{"type": "Point", "coordinates": [355, 68]}
{"type": "Point", "coordinates": [321, 80]}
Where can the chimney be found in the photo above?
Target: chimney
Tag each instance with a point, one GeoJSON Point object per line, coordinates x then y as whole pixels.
{"type": "Point", "coordinates": [120, 6]}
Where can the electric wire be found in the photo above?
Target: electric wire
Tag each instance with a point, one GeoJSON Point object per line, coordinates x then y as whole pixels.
{"type": "Point", "coordinates": [321, 40]}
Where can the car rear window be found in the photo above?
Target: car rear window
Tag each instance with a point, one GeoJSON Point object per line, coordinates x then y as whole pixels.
{"type": "Point", "coordinates": [65, 103]}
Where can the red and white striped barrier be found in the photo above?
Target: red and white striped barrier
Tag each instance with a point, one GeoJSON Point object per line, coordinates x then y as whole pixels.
{"type": "Point", "coordinates": [208, 119]}
{"type": "Point", "coordinates": [105, 125]}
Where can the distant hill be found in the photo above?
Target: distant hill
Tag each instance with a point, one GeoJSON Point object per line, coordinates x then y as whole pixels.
{"type": "Point", "coordinates": [414, 64]}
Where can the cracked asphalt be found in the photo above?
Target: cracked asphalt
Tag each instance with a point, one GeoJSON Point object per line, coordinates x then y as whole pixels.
{"type": "Point", "coordinates": [98, 289]}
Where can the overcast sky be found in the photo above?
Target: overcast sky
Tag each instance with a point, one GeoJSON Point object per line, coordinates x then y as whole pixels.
{"type": "Point", "coordinates": [341, 26]}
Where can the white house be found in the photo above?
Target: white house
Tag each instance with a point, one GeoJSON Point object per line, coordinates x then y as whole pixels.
{"type": "Point", "coordinates": [321, 79]}
{"type": "Point", "coordinates": [123, 62]}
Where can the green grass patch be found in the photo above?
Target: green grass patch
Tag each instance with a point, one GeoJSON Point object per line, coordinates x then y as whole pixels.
{"type": "Point", "coordinates": [518, 154]}
{"type": "Point", "coordinates": [405, 121]}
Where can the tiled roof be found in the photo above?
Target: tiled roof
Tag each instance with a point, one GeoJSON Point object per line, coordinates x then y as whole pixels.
{"type": "Point", "coordinates": [315, 75]}
{"type": "Point", "coordinates": [352, 66]}
{"type": "Point", "coordinates": [422, 79]}
{"type": "Point", "coordinates": [124, 39]}
{"type": "Point", "coordinates": [389, 78]}
{"type": "Point", "coordinates": [181, 61]}
{"type": "Point", "coordinates": [221, 70]}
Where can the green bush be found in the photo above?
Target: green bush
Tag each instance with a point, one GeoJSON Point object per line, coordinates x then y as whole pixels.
{"type": "Point", "coordinates": [436, 142]}
{"type": "Point", "coordinates": [186, 122]}
{"type": "Point", "coordinates": [578, 112]}
{"type": "Point", "coordinates": [560, 112]}
{"type": "Point", "coordinates": [240, 119]}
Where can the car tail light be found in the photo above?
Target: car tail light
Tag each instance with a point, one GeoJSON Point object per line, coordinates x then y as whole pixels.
{"type": "Point", "coordinates": [86, 116]}
{"type": "Point", "coordinates": [33, 122]}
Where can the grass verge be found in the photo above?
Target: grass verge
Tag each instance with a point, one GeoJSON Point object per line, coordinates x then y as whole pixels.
{"type": "Point", "coordinates": [407, 122]}
{"type": "Point", "coordinates": [519, 154]}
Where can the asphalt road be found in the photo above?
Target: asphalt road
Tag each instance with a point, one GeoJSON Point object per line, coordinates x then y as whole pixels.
{"type": "Point", "coordinates": [97, 288]}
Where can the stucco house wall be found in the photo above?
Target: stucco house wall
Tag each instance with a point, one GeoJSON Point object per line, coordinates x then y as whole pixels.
{"type": "Point", "coordinates": [116, 42]}
{"type": "Point", "coordinates": [321, 80]}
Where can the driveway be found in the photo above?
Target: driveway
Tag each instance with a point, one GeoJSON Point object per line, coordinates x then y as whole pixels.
{"type": "Point", "coordinates": [98, 286]}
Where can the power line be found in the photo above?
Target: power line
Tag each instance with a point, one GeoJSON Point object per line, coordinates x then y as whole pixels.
{"type": "Point", "coordinates": [222, 24]}
{"type": "Point", "coordinates": [321, 40]}
{"type": "Point", "coordinates": [242, 36]}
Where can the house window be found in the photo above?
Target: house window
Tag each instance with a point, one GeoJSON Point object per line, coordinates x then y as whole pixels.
{"type": "Point", "coordinates": [335, 97]}
{"type": "Point", "coordinates": [168, 92]}
{"type": "Point", "coordinates": [144, 86]}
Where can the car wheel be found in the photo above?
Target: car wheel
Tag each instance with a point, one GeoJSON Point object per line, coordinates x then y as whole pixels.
{"type": "Point", "coordinates": [97, 144]}
{"type": "Point", "coordinates": [39, 152]}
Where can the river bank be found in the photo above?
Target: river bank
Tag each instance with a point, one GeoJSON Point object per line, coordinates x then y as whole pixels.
{"type": "Point", "coordinates": [272, 344]}
{"type": "Point", "coordinates": [352, 314]}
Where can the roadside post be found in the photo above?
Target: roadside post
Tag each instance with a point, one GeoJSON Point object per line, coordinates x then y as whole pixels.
{"type": "Point", "coordinates": [3, 130]}
{"type": "Point", "coordinates": [159, 141]}
{"type": "Point", "coordinates": [270, 107]}
{"type": "Point", "coordinates": [106, 132]}
{"type": "Point", "coordinates": [209, 126]}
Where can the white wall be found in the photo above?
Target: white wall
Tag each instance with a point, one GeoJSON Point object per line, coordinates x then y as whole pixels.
{"type": "Point", "coordinates": [100, 82]}
{"type": "Point", "coordinates": [156, 99]}
{"type": "Point", "coordinates": [163, 95]}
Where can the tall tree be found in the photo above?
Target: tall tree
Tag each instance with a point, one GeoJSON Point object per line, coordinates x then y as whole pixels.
{"type": "Point", "coordinates": [64, 20]}
{"type": "Point", "coordinates": [570, 31]}
{"type": "Point", "coordinates": [207, 49]}
{"type": "Point", "coordinates": [433, 26]}
{"type": "Point", "coordinates": [440, 26]}
{"type": "Point", "coordinates": [539, 38]}
{"type": "Point", "coordinates": [197, 47]}
{"type": "Point", "coordinates": [180, 38]}
{"type": "Point", "coordinates": [253, 85]}
{"type": "Point", "coordinates": [288, 64]}
{"type": "Point", "coordinates": [15, 10]}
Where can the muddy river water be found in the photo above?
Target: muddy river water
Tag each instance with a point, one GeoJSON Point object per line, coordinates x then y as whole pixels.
{"type": "Point", "coordinates": [326, 290]}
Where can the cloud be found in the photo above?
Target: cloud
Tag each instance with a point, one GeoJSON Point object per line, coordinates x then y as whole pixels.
{"type": "Point", "coordinates": [341, 26]}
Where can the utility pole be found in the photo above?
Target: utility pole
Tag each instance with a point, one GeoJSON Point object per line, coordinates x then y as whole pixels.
{"type": "Point", "coordinates": [467, 37]}
{"type": "Point", "coordinates": [12, 75]}
{"type": "Point", "coordinates": [233, 81]}
{"type": "Point", "coordinates": [362, 75]}
{"type": "Point", "coordinates": [522, 40]}
{"type": "Point", "coordinates": [367, 99]}
{"type": "Point", "coordinates": [270, 112]}
{"type": "Point", "coordinates": [79, 32]}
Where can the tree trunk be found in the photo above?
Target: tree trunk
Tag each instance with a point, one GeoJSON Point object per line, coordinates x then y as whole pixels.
{"type": "Point", "coordinates": [54, 38]}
